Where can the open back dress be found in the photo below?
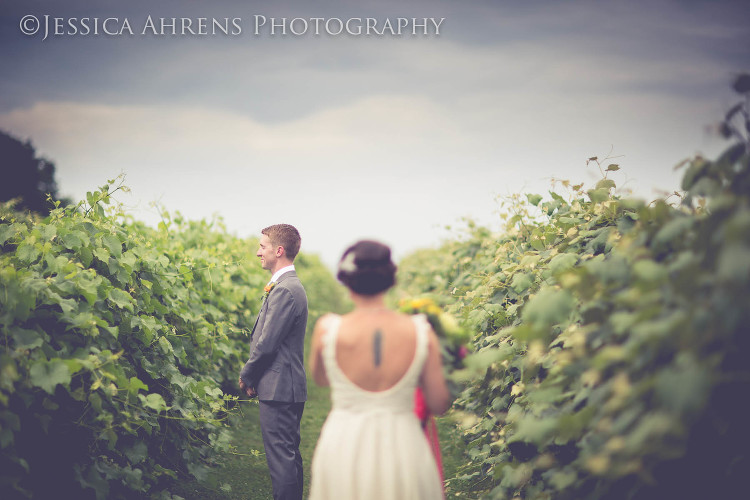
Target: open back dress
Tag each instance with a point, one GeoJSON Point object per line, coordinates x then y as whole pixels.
{"type": "Point", "coordinates": [371, 445]}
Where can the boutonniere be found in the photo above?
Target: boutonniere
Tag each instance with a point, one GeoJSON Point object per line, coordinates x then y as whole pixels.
{"type": "Point", "coordinates": [267, 289]}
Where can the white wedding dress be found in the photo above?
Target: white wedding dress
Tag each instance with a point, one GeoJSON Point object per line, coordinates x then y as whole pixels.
{"type": "Point", "coordinates": [372, 445]}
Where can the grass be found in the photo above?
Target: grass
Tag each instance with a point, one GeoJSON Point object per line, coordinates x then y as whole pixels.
{"type": "Point", "coordinates": [244, 475]}
{"type": "Point", "coordinates": [452, 448]}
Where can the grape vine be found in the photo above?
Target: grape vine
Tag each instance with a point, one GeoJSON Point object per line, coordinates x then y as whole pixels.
{"type": "Point", "coordinates": [612, 341]}
{"type": "Point", "coordinates": [120, 347]}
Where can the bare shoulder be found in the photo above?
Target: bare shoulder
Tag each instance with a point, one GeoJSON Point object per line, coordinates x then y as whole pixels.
{"type": "Point", "coordinates": [404, 322]}
{"type": "Point", "coordinates": [325, 320]}
{"type": "Point", "coordinates": [403, 318]}
{"type": "Point", "coordinates": [323, 324]}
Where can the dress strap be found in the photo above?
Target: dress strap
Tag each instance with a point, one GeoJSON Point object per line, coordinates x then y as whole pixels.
{"type": "Point", "coordinates": [332, 324]}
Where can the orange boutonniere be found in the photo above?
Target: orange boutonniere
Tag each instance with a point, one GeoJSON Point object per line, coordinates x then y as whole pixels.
{"type": "Point", "coordinates": [267, 289]}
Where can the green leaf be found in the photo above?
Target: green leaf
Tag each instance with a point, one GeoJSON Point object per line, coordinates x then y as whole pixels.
{"type": "Point", "coordinates": [26, 339]}
{"type": "Point", "coordinates": [653, 427]}
{"type": "Point", "coordinates": [27, 252]}
{"type": "Point", "coordinates": [622, 321]}
{"type": "Point", "coordinates": [706, 186]}
{"type": "Point", "coordinates": [569, 220]}
{"type": "Point", "coordinates": [734, 264]}
{"type": "Point", "coordinates": [562, 262]}
{"type": "Point", "coordinates": [113, 244]}
{"type": "Point", "coordinates": [6, 232]}
{"type": "Point", "coordinates": [683, 387]}
{"type": "Point", "coordinates": [673, 230]}
{"type": "Point", "coordinates": [8, 372]}
{"type": "Point", "coordinates": [154, 401]}
{"type": "Point", "coordinates": [147, 325]}
{"type": "Point", "coordinates": [479, 361]}
{"type": "Point", "coordinates": [66, 305]}
{"type": "Point", "coordinates": [86, 256]}
{"type": "Point", "coordinates": [613, 167]}
{"type": "Point", "coordinates": [544, 395]}
{"type": "Point", "coordinates": [538, 244]}
{"type": "Point", "coordinates": [88, 285]}
{"type": "Point", "coordinates": [136, 385]}
{"type": "Point", "coordinates": [48, 231]}
{"type": "Point", "coordinates": [165, 345]}
{"type": "Point", "coordinates": [102, 254]}
{"type": "Point", "coordinates": [605, 184]}
{"type": "Point", "coordinates": [572, 426]}
{"type": "Point", "coordinates": [121, 299]}
{"type": "Point", "coordinates": [75, 365]}
{"type": "Point", "coordinates": [72, 240]}
{"type": "Point", "coordinates": [48, 374]}
{"type": "Point", "coordinates": [548, 308]}
{"type": "Point", "coordinates": [136, 453]}
{"type": "Point", "coordinates": [563, 479]}
{"type": "Point", "coordinates": [534, 199]}
{"type": "Point", "coordinates": [161, 471]}
{"type": "Point", "coordinates": [521, 282]}
{"type": "Point", "coordinates": [598, 195]}
{"type": "Point", "coordinates": [534, 430]}
{"type": "Point", "coordinates": [96, 401]}
{"type": "Point", "coordinates": [199, 471]}
{"type": "Point", "coordinates": [698, 168]}
{"type": "Point", "coordinates": [128, 259]}
{"type": "Point", "coordinates": [649, 271]}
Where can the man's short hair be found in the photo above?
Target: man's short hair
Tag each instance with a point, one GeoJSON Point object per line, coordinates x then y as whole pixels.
{"type": "Point", "coordinates": [284, 235]}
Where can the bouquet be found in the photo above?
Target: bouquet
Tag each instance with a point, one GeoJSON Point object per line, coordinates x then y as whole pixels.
{"type": "Point", "coordinates": [454, 341]}
{"type": "Point", "coordinates": [454, 338]}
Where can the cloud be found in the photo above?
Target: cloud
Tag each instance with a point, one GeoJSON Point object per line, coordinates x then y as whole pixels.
{"type": "Point", "coordinates": [181, 134]}
{"type": "Point", "coordinates": [388, 138]}
{"type": "Point", "coordinates": [341, 166]}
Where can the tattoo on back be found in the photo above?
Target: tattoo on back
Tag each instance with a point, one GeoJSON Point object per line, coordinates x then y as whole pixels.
{"type": "Point", "coordinates": [377, 344]}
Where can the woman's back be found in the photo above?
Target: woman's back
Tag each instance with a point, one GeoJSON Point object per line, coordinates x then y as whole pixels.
{"type": "Point", "coordinates": [374, 349]}
{"type": "Point", "coordinates": [372, 446]}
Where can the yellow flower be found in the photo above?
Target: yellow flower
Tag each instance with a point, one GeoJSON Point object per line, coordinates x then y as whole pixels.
{"type": "Point", "coordinates": [423, 303]}
{"type": "Point", "coordinates": [433, 309]}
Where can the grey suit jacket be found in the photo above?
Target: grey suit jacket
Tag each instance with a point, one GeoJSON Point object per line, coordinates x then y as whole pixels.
{"type": "Point", "coordinates": [276, 366]}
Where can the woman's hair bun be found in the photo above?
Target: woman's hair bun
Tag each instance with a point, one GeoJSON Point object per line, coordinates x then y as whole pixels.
{"type": "Point", "coordinates": [366, 268]}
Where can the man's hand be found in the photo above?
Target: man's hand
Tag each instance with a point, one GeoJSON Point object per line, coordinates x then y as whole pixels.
{"type": "Point", "coordinates": [250, 391]}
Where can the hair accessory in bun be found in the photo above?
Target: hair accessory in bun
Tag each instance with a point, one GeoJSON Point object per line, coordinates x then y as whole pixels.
{"type": "Point", "coordinates": [347, 263]}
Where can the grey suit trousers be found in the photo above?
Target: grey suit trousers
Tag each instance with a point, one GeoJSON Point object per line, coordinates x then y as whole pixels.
{"type": "Point", "coordinates": [280, 426]}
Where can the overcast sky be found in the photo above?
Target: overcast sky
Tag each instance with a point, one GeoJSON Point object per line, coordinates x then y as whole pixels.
{"type": "Point", "coordinates": [375, 135]}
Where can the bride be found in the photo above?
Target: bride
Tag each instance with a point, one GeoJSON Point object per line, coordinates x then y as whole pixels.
{"type": "Point", "coordinates": [372, 445]}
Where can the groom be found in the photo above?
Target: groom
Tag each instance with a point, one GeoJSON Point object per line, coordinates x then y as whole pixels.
{"type": "Point", "coordinates": [275, 370]}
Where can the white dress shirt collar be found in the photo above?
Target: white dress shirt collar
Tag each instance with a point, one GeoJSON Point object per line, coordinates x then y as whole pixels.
{"type": "Point", "coordinates": [281, 271]}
